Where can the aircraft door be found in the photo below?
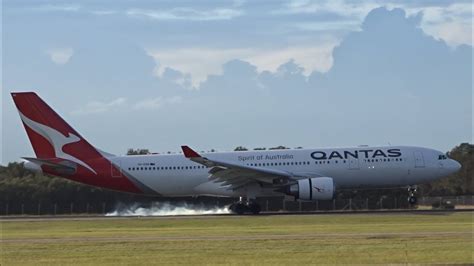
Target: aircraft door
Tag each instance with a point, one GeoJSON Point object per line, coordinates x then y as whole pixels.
{"type": "Point", "coordinates": [116, 168]}
{"type": "Point", "coordinates": [419, 160]}
{"type": "Point", "coordinates": [354, 164]}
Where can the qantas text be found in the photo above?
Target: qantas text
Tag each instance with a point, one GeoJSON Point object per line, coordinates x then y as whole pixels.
{"type": "Point", "coordinates": [321, 155]}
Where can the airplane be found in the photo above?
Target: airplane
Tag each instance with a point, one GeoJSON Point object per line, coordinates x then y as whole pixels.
{"type": "Point", "coordinates": [301, 174]}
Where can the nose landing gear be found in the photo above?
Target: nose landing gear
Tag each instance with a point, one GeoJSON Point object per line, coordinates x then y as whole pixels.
{"type": "Point", "coordinates": [412, 200]}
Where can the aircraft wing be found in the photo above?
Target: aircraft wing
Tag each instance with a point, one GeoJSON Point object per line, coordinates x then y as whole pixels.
{"type": "Point", "coordinates": [234, 175]}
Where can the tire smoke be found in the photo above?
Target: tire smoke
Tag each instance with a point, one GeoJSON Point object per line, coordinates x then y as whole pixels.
{"type": "Point", "coordinates": [167, 209]}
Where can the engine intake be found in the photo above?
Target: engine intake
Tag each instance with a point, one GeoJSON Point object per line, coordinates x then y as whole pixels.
{"type": "Point", "coordinates": [316, 188]}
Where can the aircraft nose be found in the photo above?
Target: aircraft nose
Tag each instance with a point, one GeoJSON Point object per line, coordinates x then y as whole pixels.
{"type": "Point", "coordinates": [455, 165]}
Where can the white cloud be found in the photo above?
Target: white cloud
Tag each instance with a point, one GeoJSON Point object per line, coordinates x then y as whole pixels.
{"type": "Point", "coordinates": [340, 7]}
{"type": "Point", "coordinates": [58, 7]}
{"type": "Point", "coordinates": [96, 107]}
{"type": "Point", "coordinates": [100, 107]}
{"type": "Point", "coordinates": [200, 63]}
{"type": "Point", "coordinates": [312, 58]}
{"type": "Point", "coordinates": [61, 56]}
{"type": "Point", "coordinates": [238, 3]}
{"type": "Point", "coordinates": [328, 25]}
{"type": "Point", "coordinates": [452, 23]}
{"type": "Point", "coordinates": [453, 33]}
{"type": "Point", "coordinates": [103, 12]}
{"type": "Point", "coordinates": [156, 103]}
{"type": "Point", "coordinates": [186, 14]}
{"type": "Point", "coordinates": [179, 13]}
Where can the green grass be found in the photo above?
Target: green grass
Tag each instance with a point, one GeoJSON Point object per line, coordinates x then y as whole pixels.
{"type": "Point", "coordinates": [296, 240]}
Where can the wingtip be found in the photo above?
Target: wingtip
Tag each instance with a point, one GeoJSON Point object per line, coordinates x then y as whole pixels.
{"type": "Point", "coordinates": [189, 153]}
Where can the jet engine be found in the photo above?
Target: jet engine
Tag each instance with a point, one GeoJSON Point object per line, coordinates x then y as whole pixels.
{"type": "Point", "coordinates": [316, 188]}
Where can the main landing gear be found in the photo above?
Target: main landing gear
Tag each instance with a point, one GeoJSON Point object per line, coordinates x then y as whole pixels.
{"type": "Point", "coordinates": [412, 200]}
{"type": "Point", "coordinates": [242, 207]}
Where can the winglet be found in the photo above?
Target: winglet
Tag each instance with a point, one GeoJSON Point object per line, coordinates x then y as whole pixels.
{"type": "Point", "coordinates": [190, 153]}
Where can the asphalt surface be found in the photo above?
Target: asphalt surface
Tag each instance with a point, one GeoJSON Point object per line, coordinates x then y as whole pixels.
{"type": "Point", "coordinates": [237, 237]}
{"type": "Point", "coordinates": [13, 218]}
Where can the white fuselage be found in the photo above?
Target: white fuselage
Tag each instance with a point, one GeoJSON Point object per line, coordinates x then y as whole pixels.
{"type": "Point", "coordinates": [358, 167]}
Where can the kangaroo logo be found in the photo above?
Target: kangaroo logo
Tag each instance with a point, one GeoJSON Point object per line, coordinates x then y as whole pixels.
{"type": "Point", "coordinates": [57, 140]}
{"type": "Point", "coordinates": [318, 189]}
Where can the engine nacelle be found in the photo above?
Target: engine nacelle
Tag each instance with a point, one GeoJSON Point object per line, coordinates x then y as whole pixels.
{"type": "Point", "coordinates": [316, 188]}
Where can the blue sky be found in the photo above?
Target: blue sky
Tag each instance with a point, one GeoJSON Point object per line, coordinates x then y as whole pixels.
{"type": "Point", "coordinates": [218, 74]}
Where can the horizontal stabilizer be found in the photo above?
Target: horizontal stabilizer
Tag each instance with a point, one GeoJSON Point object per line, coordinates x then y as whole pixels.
{"type": "Point", "coordinates": [54, 163]}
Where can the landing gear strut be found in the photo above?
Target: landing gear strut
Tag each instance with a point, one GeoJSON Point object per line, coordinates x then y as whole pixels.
{"type": "Point", "coordinates": [242, 207]}
{"type": "Point", "coordinates": [412, 200]}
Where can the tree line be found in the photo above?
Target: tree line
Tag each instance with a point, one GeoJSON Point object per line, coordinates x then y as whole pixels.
{"type": "Point", "coordinates": [18, 184]}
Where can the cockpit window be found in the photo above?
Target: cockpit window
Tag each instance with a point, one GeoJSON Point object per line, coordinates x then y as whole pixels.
{"type": "Point", "coordinates": [442, 157]}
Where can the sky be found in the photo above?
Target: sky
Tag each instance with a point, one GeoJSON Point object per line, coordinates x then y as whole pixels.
{"type": "Point", "coordinates": [220, 74]}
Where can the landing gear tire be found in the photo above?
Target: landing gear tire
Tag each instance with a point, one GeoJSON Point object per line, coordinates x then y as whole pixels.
{"type": "Point", "coordinates": [241, 208]}
{"type": "Point", "coordinates": [412, 200]}
{"type": "Point", "coordinates": [238, 208]}
{"type": "Point", "coordinates": [254, 208]}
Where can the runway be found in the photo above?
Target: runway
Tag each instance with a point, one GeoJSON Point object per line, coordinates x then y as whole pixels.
{"type": "Point", "coordinates": [239, 237]}
{"type": "Point", "coordinates": [38, 218]}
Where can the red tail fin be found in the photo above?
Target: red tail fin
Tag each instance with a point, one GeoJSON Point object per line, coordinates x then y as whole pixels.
{"type": "Point", "coordinates": [49, 134]}
{"type": "Point", "coordinates": [56, 142]}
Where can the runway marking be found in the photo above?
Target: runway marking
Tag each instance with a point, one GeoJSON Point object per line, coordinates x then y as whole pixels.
{"type": "Point", "coordinates": [238, 237]}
